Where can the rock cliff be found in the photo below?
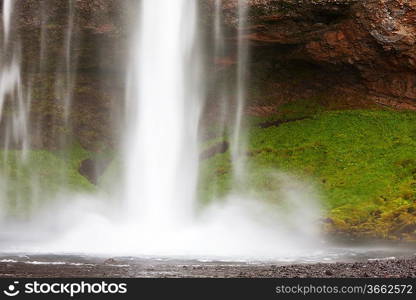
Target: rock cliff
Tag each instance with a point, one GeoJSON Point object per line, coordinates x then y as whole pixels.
{"type": "Point", "coordinates": [366, 48]}
{"type": "Point", "coordinates": [72, 53]}
{"type": "Point", "coordinates": [348, 53]}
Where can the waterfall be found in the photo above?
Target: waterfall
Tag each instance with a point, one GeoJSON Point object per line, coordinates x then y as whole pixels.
{"type": "Point", "coordinates": [162, 109]}
{"type": "Point", "coordinates": [16, 127]}
{"type": "Point", "coordinates": [158, 211]}
{"type": "Point", "coordinates": [161, 146]}
{"type": "Point", "coordinates": [238, 145]}
{"type": "Point", "coordinates": [66, 75]}
{"type": "Point", "coordinates": [14, 109]}
{"type": "Point", "coordinates": [22, 131]}
{"type": "Point", "coordinates": [7, 13]}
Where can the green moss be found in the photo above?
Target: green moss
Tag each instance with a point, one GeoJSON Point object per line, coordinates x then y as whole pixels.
{"type": "Point", "coordinates": [33, 178]}
{"type": "Point", "coordinates": [215, 177]}
{"type": "Point", "coordinates": [363, 161]}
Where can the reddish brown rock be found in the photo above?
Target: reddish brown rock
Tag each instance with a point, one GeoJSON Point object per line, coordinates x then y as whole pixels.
{"type": "Point", "coordinates": [374, 38]}
{"type": "Point", "coordinates": [361, 51]}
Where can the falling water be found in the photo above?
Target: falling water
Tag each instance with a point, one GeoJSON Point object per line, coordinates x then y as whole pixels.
{"type": "Point", "coordinates": [16, 131]}
{"type": "Point", "coordinates": [65, 75]}
{"type": "Point", "coordinates": [164, 99]}
{"type": "Point", "coordinates": [7, 13]}
{"type": "Point", "coordinates": [14, 107]}
{"type": "Point", "coordinates": [161, 144]}
{"type": "Point", "coordinates": [161, 157]}
{"type": "Point", "coordinates": [22, 131]}
{"type": "Point", "coordinates": [238, 144]}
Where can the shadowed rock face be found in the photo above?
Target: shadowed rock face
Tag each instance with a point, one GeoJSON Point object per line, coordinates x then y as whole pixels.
{"type": "Point", "coordinates": [97, 31]}
{"type": "Point", "coordinates": [371, 40]}
{"type": "Point", "coordinates": [93, 168]}
{"type": "Point", "coordinates": [72, 49]}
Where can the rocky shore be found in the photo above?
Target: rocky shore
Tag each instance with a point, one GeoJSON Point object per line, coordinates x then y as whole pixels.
{"type": "Point", "coordinates": [124, 268]}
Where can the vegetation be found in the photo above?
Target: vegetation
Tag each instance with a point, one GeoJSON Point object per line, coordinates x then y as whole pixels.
{"type": "Point", "coordinates": [363, 162]}
{"type": "Point", "coordinates": [29, 179]}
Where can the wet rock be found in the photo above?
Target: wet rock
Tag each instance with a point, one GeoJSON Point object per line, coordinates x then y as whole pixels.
{"type": "Point", "coordinates": [407, 228]}
{"type": "Point", "coordinates": [63, 44]}
{"type": "Point", "coordinates": [279, 122]}
{"type": "Point", "coordinates": [110, 261]}
{"type": "Point", "coordinates": [218, 148]}
{"type": "Point", "coordinates": [92, 169]}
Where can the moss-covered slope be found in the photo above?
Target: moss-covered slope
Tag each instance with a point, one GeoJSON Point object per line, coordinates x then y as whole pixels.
{"type": "Point", "coordinates": [362, 161]}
